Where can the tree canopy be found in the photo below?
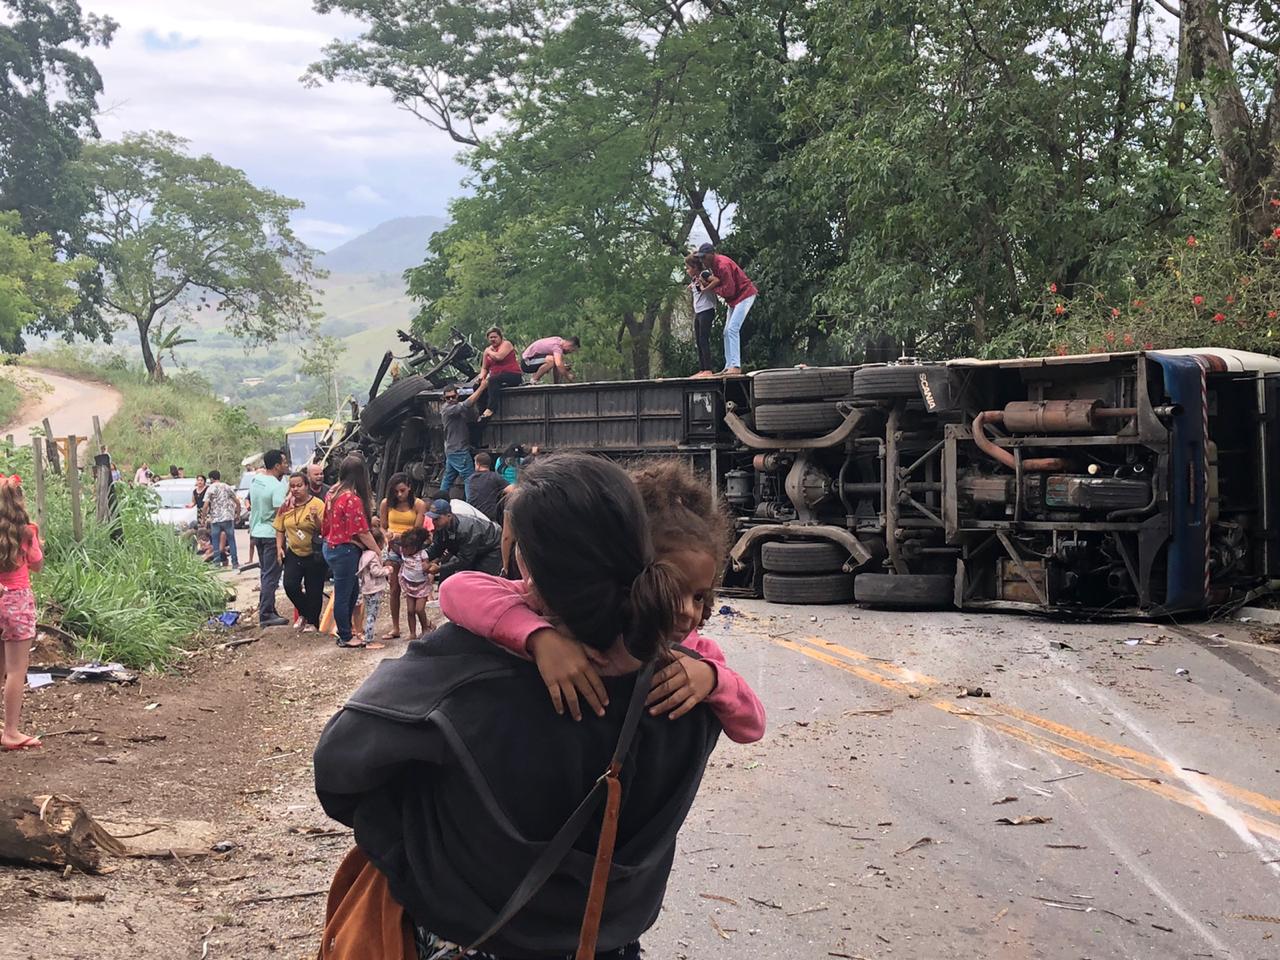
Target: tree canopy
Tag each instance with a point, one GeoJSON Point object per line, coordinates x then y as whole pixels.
{"type": "Point", "coordinates": [48, 97]}
{"type": "Point", "coordinates": [34, 284]}
{"type": "Point", "coordinates": [177, 235]}
{"type": "Point", "coordinates": [998, 176]}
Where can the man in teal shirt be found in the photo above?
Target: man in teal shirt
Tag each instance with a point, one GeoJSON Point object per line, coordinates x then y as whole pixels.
{"type": "Point", "coordinates": [267, 491]}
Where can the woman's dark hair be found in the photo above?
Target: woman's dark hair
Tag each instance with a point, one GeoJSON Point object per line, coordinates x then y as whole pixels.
{"type": "Point", "coordinates": [494, 330]}
{"type": "Point", "coordinates": [353, 476]}
{"type": "Point", "coordinates": [584, 539]}
{"type": "Point", "coordinates": [395, 481]}
{"type": "Point", "coordinates": [513, 454]}
{"type": "Point", "coordinates": [201, 476]}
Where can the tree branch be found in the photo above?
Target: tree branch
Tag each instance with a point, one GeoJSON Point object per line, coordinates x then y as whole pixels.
{"type": "Point", "coordinates": [1251, 38]}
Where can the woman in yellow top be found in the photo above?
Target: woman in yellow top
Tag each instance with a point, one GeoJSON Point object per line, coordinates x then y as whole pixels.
{"type": "Point", "coordinates": [297, 526]}
{"type": "Point", "coordinates": [400, 512]}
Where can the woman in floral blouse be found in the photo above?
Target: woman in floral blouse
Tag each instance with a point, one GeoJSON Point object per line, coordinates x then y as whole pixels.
{"type": "Point", "coordinates": [346, 535]}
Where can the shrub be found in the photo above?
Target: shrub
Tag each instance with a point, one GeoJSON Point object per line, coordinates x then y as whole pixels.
{"type": "Point", "coordinates": [134, 593]}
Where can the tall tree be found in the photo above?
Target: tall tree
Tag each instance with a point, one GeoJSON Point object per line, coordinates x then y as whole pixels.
{"type": "Point", "coordinates": [34, 282]}
{"type": "Point", "coordinates": [48, 97]}
{"type": "Point", "coordinates": [587, 193]}
{"type": "Point", "coordinates": [177, 235]}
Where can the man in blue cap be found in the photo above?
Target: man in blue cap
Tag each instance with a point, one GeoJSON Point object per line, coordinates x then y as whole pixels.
{"type": "Point", "coordinates": [462, 542]}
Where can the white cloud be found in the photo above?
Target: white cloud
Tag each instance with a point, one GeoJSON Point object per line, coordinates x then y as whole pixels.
{"type": "Point", "coordinates": [226, 76]}
{"type": "Point", "coordinates": [365, 194]}
{"type": "Point", "coordinates": [322, 234]}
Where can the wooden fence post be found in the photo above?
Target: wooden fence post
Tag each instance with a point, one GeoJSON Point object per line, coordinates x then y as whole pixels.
{"type": "Point", "coordinates": [73, 484]}
{"type": "Point", "coordinates": [37, 459]}
{"type": "Point", "coordinates": [97, 436]}
{"type": "Point", "coordinates": [102, 487]}
{"type": "Point", "coordinates": [51, 446]}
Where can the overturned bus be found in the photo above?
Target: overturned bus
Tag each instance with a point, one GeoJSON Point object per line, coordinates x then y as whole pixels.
{"type": "Point", "coordinates": [1126, 484]}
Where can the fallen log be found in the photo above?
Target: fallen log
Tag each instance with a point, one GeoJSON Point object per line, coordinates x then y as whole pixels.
{"type": "Point", "coordinates": [53, 831]}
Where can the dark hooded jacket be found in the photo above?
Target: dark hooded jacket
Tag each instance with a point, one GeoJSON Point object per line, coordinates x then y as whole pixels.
{"type": "Point", "coordinates": [454, 771]}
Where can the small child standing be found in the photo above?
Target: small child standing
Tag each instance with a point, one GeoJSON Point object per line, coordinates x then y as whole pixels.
{"type": "Point", "coordinates": [374, 584]}
{"type": "Point", "coordinates": [415, 580]}
{"type": "Point", "coordinates": [20, 553]}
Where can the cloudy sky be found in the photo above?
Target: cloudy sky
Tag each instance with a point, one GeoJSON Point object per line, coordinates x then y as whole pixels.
{"type": "Point", "coordinates": [225, 75]}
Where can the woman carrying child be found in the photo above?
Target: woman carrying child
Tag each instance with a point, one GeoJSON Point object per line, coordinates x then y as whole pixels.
{"type": "Point", "coordinates": [401, 512]}
{"type": "Point", "coordinates": [456, 777]}
{"type": "Point", "coordinates": [691, 532]}
{"type": "Point", "coordinates": [20, 552]}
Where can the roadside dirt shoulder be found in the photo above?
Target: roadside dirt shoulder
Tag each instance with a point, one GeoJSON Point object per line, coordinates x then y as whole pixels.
{"type": "Point", "coordinates": [233, 734]}
{"type": "Point", "coordinates": [69, 404]}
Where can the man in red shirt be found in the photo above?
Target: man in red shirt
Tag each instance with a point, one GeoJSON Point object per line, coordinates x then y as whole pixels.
{"type": "Point", "coordinates": [735, 288]}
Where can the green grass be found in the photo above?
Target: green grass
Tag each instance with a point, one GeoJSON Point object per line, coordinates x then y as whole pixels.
{"type": "Point", "coordinates": [137, 597]}
{"type": "Point", "coordinates": [178, 421]}
{"type": "Point", "coordinates": [10, 400]}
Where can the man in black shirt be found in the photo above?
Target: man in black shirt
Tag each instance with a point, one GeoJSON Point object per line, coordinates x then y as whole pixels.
{"type": "Point", "coordinates": [487, 488]}
{"type": "Point", "coordinates": [471, 543]}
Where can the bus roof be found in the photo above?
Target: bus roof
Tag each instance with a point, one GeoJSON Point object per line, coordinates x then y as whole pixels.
{"type": "Point", "coordinates": [314, 425]}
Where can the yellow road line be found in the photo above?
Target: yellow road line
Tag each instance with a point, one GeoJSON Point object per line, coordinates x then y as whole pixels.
{"type": "Point", "coordinates": [1117, 772]}
{"type": "Point", "coordinates": [1252, 798]}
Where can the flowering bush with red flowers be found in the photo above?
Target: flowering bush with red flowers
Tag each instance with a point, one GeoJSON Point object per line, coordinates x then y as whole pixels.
{"type": "Point", "coordinates": [1203, 292]}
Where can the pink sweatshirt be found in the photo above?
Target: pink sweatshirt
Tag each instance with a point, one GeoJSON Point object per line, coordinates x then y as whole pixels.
{"type": "Point", "coordinates": [20, 579]}
{"type": "Point", "coordinates": [499, 609]}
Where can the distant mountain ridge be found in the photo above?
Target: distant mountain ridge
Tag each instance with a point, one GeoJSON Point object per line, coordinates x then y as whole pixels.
{"type": "Point", "coordinates": [390, 247]}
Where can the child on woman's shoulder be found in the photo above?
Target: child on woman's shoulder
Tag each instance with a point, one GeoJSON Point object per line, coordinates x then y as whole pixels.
{"type": "Point", "coordinates": [20, 552]}
{"type": "Point", "coordinates": [691, 533]}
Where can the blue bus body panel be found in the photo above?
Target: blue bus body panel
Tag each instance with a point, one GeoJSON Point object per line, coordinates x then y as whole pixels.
{"type": "Point", "coordinates": [1186, 579]}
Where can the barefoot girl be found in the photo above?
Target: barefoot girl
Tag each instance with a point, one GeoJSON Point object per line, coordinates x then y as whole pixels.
{"type": "Point", "coordinates": [20, 553]}
{"type": "Point", "coordinates": [415, 580]}
{"type": "Point", "coordinates": [690, 532]}
{"type": "Point", "coordinates": [400, 512]}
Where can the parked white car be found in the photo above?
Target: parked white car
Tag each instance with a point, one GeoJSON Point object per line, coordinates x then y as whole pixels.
{"type": "Point", "coordinates": [171, 503]}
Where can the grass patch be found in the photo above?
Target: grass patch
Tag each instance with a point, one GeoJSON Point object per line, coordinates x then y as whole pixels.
{"type": "Point", "coordinates": [10, 400]}
{"type": "Point", "coordinates": [178, 421]}
{"type": "Point", "coordinates": [135, 593]}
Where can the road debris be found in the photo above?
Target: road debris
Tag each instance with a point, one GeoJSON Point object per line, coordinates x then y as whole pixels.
{"type": "Point", "coordinates": [1066, 846]}
{"type": "Point", "coordinates": [1065, 776]}
{"type": "Point", "coordinates": [766, 903]}
{"type": "Point", "coordinates": [1182, 672]}
{"type": "Point", "coordinates": [716, 896]}
{"type": "Point", "coordinates": [996, 803]}
{"type": "Point", "coordinates": [1256, 917]}
{"type": "Point", "coordinates": [1060, 645]}
{"type": "Point", "coordinates": [724, 935]}
{"type": "Point", "coordinates": [1023, 821]}
{"type": "Point", "coordinates": [972, 692]}
{"type": "Point", "coordinates": [922, 842]}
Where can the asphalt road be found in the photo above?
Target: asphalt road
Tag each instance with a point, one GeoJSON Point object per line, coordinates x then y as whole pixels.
{"type": "Point", "coordinates": [865, 823]}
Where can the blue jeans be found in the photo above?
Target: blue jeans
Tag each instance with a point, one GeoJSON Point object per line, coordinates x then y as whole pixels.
{"type": "Point", "coordinates": [733, 332]}
{"type": "Point", "coordinates": [458, 464]}
{"type": "Point", "coordinates": [344, 561]}
{"type": "Point", "coordinates": [216, 529]}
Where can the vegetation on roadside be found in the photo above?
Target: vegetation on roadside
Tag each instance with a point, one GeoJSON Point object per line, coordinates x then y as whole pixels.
{"type": "Point", "coordinates": [178, 421]}
{"type": "Point", "coordinates": [137, 598]}
{"type": "Point", "coordinates": [10, 400]}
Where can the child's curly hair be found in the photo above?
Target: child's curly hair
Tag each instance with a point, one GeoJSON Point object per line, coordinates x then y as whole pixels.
{"type": "Point", "coordinates": [414, 540]}
{"type": "Point", "coordinates": [15, 533]}
{"type": "Point", "coordinates": [683, 514]}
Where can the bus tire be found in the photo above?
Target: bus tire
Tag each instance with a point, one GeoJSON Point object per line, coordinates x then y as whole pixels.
{"type": "Point", "coordinates": [817, 417]}
{"type": "Point", "coordinates": [391, 403]}
{"type": "Point", "coordinates": [803, 383]}
{"type": "Point", "coordinates": [808, 588]}
{"type": "Point", "coordinates": [812, 556]}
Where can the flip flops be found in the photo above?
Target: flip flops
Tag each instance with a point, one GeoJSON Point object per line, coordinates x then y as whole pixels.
{"type": "Point", "coordinates": [30, 743]}
{"type": "Point", "coordinates": [361, 645]}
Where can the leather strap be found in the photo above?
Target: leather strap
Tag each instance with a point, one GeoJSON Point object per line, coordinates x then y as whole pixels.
{"type": "Point", "coordinates": [607, 786]}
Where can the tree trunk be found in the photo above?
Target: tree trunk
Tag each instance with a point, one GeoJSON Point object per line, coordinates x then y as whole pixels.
{"type": "Point", "coordinates": [53, 832]}
{"type": "Point", "coordinates": [148, 355]}
{"type": "Point", "coordinates": [640, 330]}
{"type": "Point", "coordinates": [1245, 162]}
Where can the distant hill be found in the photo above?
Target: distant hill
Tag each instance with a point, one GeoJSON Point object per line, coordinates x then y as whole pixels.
{"type": "Point", "coordinates": [390, 247]}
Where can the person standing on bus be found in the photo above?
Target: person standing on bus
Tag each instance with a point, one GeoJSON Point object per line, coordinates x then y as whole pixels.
{"type": "Point", "coordinates": [728, 282]}
{"type": "Point", "coordinates": [457, 416]}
